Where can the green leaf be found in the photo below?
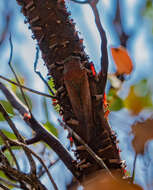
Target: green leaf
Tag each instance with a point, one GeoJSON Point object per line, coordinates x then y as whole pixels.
{"type": "Point", "coordinates": [10, 135]}
{"type": "Point", "coordinates": [141, 89]}
{"type": "Point", "coordinates": [19, 95]}
{"type": "Point", "coordinates": [14, 87]}
{"type": "Point", "coordinates": [8, 107]}
{"type": "Point", "coordinates": [115, 102]}
{"type": "Point", "coordinates": [50, 127]}
{"type": "Point", "coordinates": [45, 108]}
{"type": "Point", "coordinates": [2, 175]}
{"type": "Point", "coordinates": [52, 85]}
{"type": "Point", "coordinates": [139, 98]}
{"type": "Point", "coordinates": [9, 157]}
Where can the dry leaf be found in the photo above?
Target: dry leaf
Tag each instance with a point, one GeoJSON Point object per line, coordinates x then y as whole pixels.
{"type": "Point", "coordinates": [122, 60]}
{"type": "Point", "coordinates": [143, 132]}
{"type": "Point", "coordinates": [104, 182]}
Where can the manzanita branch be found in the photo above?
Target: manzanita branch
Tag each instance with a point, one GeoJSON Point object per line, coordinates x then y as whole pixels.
{"type": "Point", "coordinates": [59, 42]}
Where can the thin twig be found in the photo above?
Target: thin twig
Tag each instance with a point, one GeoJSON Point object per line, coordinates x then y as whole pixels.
{"type": "Point", "coordinates": [134, 167]}
{"type": "Point", "coordinates": [40, 160]}
{"type": "Point", "coordinates": [119, 28]}
{"type": "Point", "coordinates": [49, 166]}
{"type": "Point", "coordinates": [39, 73]}
{"type": "Point", "coordinates": [27, 88]}
{"type": "Point", "coordinates": [40, 130]}
{"type": "Point", "coordinates": [104, 53]}
{"type": "Point", "coordinates": [88, 149]}
{"type": "Point", "coordinates": [11, 124]}
{"type": "Point", "coordinates": [11, 152]}
{"type": "Point", "coordinates": [9, 63]}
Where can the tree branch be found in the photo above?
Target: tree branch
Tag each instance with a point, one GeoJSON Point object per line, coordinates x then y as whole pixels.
{"type": "Point", "coordinates": [29, 154]}
{"type": "Point", "coordinates": [26, 88]}
{"type": "Point", "coordinates": [104, 53]}
{"type": "Point", "coordinates": [44, 135]}
{"type": "Point", "coordinates": [88, 149]}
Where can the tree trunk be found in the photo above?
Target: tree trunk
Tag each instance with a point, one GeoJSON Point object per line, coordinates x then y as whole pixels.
{"type": "Point", "coordinates": [76, 85]}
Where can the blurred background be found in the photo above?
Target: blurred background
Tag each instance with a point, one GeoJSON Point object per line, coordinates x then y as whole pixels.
{"type": "Point", "coordinates": [130, 103]}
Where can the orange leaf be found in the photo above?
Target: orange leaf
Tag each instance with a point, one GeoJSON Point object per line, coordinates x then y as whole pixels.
{"type": "Point", "coordinates": [143, 132]}
{"type": "Point", "coordinates": [122, 60]}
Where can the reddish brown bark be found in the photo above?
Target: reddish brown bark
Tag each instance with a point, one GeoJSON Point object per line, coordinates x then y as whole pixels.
{"type": "Point", "coordinates": [61, 48]}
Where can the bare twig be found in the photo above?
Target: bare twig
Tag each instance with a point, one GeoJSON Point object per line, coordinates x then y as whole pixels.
{"type": "Point", "coordinates": [117, 22]}
{"type": "Point", "coordinates": [39, 73]}
{"type": "Point", "coordinates": [26, 88]}
{"type": "Point", "coordinates": [44, 135]}
{"type": "Point", "coordinates": [42, 172]}
{"type": "Point", "coordinates": [134, 167]}
{"type": "Point", "coordinates": [9, 63]}
{"type": "Point", "coordinates": [11, 124]}
{"type": "Point", "coordinates": [104, 53]}
{"type": "Point", "coordinates": [11, 152]}
{"type": "Point", "coordinates": [29, 151]}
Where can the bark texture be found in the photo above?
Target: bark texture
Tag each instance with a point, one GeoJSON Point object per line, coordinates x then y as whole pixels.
{"type": "Point", "coordinates": [76, 85]}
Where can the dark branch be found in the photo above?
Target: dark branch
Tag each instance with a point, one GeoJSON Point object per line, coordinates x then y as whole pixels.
{"type": "Point", "coordinates": [119, 28]}
{"type": "Point", "coordinates": [3, 187]}
{"type": "Point", "coordinates": [42, 172]}
{"type": "Point", "coordinates": [40, 130]}
{"type": "Point", "coordinates": [29, 154]}
{"type": "Point", "coordinates": [104, 53]}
